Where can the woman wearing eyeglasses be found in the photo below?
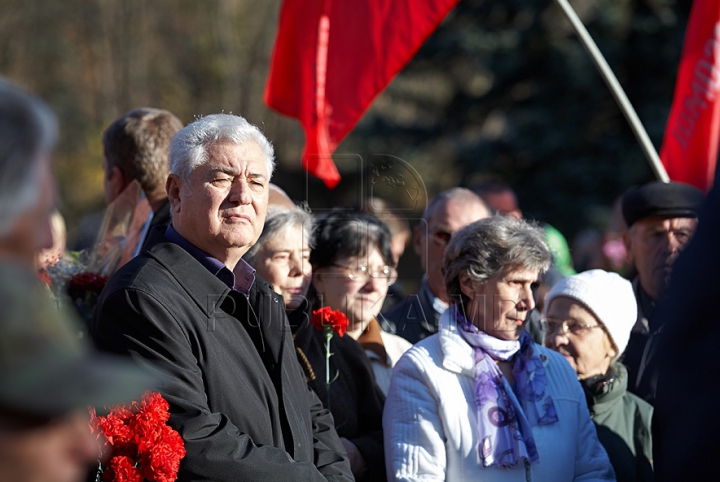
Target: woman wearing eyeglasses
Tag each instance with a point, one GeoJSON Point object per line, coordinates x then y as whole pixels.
{"type": "Point", "coordinates": [480, 400]}
{"type": "Point", "coordinates": [588, 318]}
{"type": "Point", "coordinates": [352, 270]}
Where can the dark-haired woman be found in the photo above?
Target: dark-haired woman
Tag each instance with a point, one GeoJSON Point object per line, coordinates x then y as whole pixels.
{"type": "Point", "coordinates": [354, 399]}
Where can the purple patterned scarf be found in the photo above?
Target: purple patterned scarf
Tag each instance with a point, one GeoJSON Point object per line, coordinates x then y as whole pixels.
{"type": "Point", "coordinates": [503, 418]}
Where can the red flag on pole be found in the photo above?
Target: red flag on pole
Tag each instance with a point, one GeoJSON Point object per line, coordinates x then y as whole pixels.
{"type": "Point", "coordinates": [331, 58]}
{"type": "Point", "coordinates": [690, 145]}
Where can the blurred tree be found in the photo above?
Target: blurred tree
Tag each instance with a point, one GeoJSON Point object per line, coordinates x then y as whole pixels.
{"type": "Point", "coordinates": [502, 89]}
{"type": "Point", "coordinates": [505, 90]}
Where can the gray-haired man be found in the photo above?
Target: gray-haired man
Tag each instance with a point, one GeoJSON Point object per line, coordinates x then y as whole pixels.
{"type": "Point", "coordinates": [190, 303]}
{"type": "Point", "coordinates": [449, 211]}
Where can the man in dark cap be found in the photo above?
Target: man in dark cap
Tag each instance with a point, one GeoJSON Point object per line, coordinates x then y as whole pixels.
{"type": "Point", "coordinates": [48, 377]}
{"type": "Point", "coordinates": [661, 218]}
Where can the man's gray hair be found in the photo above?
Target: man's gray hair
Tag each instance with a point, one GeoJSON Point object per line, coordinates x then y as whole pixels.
{"type": "Point", "coordinates": [459, 194]}
{"type": "Point", "coordinates": [279, 219]}
{"type": "Point", "coordinates": [28, 130]}
{"type": "Point", "coordinates": [490, 246]}
{"type": "Point", "coordinates": [189, 147]}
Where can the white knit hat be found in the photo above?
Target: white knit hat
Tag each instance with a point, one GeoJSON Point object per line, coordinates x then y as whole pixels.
{"type": "Point", "coordinates": [608, 296]}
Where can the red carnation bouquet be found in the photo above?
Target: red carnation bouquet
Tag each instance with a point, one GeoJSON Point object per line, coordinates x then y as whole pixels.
{"type": "Point", "coordinates": [84, 289]}
{"type": "Point", "coordinates": [328, 321]}
{"type": "Point", "coordinates": [143, 447]}
{"type": "Point", "coordinates": [78, 278]}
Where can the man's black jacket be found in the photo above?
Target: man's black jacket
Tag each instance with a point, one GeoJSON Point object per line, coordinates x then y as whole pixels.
{"type": "Point", "coordinates": [236, 391]}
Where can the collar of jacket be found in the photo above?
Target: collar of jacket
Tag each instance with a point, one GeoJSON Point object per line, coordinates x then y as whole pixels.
{"type": "Point", "coordinates": [194, 278]}
{"type": "Point", "coordinates": [601, 398]}
{"type": "Point", "coordinates": [458, 356]}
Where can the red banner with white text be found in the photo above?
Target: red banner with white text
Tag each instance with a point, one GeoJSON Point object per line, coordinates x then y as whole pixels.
{"type": "Point", "coordinates": [690, 146]}
{"type": "Point", "coordinates": [331, 58]}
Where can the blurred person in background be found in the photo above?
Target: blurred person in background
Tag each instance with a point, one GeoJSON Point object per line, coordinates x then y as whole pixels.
{"type": "Point", "coordinates": [449, 211]}
{"type": "Point", "coordinates": [400, 236]}
{"type": "Point", "coordinates": [28, 133]}
{"type": "Point", "coordinates": [661, 219]}
{"type": "Point", "coordinates": [136, 146]}
{"type": "Point", "coordinates": [59, 237]}
{"type": "Point", "coordinates": [589, 317]}
{"type": "Point", "coordinates": [480, 400]}
{"type": "Point", "coordinates": [686, 421]}
{"type": "Point", "coordinates": [48, 377]}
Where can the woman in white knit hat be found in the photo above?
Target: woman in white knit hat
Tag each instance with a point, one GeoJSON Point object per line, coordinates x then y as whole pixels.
{"type": "Point", "coordinates": [589, 317]}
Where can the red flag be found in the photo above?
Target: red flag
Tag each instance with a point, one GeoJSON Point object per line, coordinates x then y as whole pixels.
{"type": "Point", "coordinates": [331, 58]}
{"type": "Point", "coordinates": [690, 145]}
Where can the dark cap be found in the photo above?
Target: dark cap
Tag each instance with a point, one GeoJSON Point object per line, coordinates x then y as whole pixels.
{"type": "Point", "coordinates": [672, 200]}
{"type": "Point", "coordinates": [45, 369]}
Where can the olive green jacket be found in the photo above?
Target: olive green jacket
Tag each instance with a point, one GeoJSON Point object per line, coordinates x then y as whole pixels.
{"type": "Point", "coordinates": [623, 424]}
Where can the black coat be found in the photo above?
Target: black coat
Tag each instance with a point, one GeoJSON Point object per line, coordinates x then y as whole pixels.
{"type": "Point", "coordinates": [161, 218]}
{"type": "Point", "coordinates": [686, 423]}
{"type": "Point", "coordinates": [236, 391]}
{"type": "Point", "coordinates": [356, 402]}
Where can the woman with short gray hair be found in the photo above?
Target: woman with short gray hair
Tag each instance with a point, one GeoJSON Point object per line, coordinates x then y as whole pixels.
{"type": "Point", "coordinates": [480, 400]}
{"type": "Point", "coordinates": [281, 254]}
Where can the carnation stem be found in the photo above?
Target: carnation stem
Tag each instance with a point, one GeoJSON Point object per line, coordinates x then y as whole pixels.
{"type": "Point", "coordinates": [328, 337]}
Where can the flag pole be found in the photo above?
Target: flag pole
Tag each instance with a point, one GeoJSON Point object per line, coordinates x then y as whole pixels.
{"type": "Point", "coordinates": [616, 90]}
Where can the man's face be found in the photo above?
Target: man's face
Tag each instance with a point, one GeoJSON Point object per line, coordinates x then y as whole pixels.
{"type": "Point", "coordinates": [221, 207]}
{"type": "Point", "coordinates": [430, 240]}
{"type": "Point", "coordinates": [653, 244]}
{"type": "Point", "coordinates": [32, 231]}
{"type": "Point", "coordinates": [60, 450]}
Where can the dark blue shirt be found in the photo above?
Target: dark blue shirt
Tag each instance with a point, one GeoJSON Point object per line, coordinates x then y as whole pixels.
{"type": "Point", "coordinates": [241, 280]}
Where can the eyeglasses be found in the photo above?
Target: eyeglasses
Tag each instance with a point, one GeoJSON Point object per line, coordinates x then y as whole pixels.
{"type": "Point", "coordinates": [440, 237]}
{"type": "Point", "coordinates": [567, 326]}
{"type": "Point", "coordinates": [363, 273]}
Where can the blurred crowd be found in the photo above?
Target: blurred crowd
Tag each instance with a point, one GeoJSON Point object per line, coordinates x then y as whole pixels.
{"type": "Point", "coordinates": [516, 357]}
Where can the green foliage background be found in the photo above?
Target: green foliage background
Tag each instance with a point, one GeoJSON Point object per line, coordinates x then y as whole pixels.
{"type": "Point", "coordinates": [502, 89]}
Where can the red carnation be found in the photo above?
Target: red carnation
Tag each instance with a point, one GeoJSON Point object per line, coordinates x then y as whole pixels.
{"type": "Point", "coordinates": [143, 446]}
{"type": "Point", "coordinates": [122, 469]}
{"type": "Point", "coordinates": [328, 320]}
{"type": "Point", "coordinates": [45, 277]}
{"type": "Point", "coordinates": [84, 284]}
{"type": "Point", "coordinates": [327, 317]}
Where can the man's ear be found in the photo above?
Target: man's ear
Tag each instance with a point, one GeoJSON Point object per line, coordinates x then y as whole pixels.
{"type": "Point", "coordinates": [417, 238]}
{"type": "Point", "coordinates": [627, 239]}
{"type": "Point", "coordinates": [115, 183]}
{"type": "Point", "coordinates": [467, 285]}
{"type": "Point", "coordinates": [173, 186]}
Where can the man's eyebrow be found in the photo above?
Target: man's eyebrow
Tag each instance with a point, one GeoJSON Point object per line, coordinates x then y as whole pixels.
{"type": "Point", "coordinates": [257, 175]}
{"type": "Point", "coordinates": [225, 170]}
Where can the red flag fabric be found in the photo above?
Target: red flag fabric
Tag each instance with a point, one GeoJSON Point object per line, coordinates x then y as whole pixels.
{"type": "Point", "coordinates": [331, 58]}
{"type": "Point", "coordinates": [690, 146]}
